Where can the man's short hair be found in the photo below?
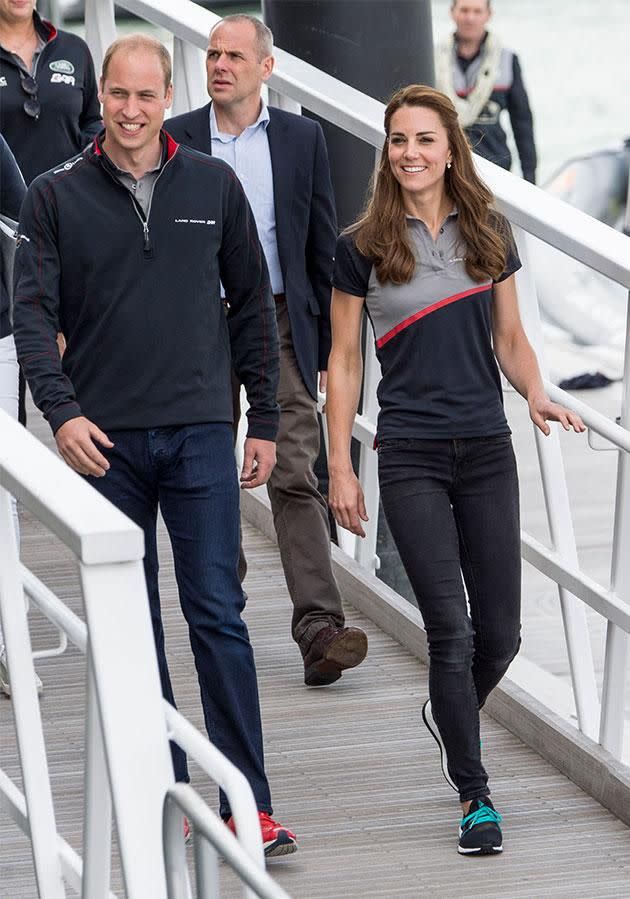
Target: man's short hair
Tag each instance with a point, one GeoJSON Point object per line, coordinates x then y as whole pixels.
{"type": "Point", "coordinates": [132, 42]}
{"type": "Point", "coordinates": [264, 35]}
{"type": "Point", "coordinates": [455, 2]}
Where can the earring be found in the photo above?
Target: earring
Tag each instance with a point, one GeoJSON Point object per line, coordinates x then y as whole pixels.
{"type": "Point", "coordinates": [448, 164]}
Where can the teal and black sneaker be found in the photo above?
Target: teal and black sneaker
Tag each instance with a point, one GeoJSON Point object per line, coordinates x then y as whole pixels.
{"type": "Point", "coordinates": [479, 830]}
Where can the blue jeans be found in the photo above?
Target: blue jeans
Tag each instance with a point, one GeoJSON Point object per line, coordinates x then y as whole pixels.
{"type": "Point", "coordinates": [453, 510]}
{"type": "Point", "coordinates": [190, 472]}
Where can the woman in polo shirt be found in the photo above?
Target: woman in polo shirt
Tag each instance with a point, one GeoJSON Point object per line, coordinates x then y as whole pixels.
{"type": "Point", "coordinates": [433, 265]}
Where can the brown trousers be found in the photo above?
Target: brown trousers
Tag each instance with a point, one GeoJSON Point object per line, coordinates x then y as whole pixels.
{"type": "Point", "coordinates": [299, 510]}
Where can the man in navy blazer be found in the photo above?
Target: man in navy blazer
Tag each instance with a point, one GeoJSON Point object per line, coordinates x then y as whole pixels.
{"type": "Point", "coordinates": [282, 162]}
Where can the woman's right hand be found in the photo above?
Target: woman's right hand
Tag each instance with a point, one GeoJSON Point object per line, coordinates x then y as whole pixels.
{"type": "Point", "coordinates": [345, 498]}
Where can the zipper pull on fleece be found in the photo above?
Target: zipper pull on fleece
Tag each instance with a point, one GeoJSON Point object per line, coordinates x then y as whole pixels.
{"type": "Point", "coordinates": [147, 242]}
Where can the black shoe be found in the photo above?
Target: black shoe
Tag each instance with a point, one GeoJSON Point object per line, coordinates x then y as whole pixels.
{"type": "Point", "coordinates": [479, 831]}
{"type": "Point", "coordinates": [427, 717]}
{"type": "Point", "coordinates": [332, 651]}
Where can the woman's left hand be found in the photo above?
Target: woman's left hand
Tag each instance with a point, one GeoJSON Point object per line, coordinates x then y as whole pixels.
{"type": "Point", "coordinates": [542, 410]}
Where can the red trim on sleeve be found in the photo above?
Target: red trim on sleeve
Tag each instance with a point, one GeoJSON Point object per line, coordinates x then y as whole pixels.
{"type": "Point", "coordinates": [421, 314]}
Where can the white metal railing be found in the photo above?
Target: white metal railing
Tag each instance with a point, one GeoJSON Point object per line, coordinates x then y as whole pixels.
{"type": "Point", "coordinates": [128, 769]}
{"type": "Point", "coordinates": [295, 83]}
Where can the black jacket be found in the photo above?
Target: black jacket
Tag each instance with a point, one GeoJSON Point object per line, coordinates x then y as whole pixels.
{"type": "Point", "coordinates": [148, 339]}
{"type": "Point", "coordinates": [12, 190]}
{"type": "Point", "coordinates": [67, 92]}
{"type": "Point", "coordinates": [306, 225]}
{"type": "Point", "coordinates": [487, 137]}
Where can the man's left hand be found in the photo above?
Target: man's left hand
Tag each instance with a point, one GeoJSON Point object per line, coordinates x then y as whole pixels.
{"type": "Point", "coordinates": [259, 458]}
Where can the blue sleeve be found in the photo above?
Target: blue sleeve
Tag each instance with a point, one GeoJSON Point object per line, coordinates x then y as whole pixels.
{"type": "Point", "coordinates": [320, 244]}
{"type": "Point", "coordinates": [251, 314]}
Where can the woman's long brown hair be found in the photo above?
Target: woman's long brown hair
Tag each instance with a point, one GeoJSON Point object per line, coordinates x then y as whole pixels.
{"type": "Point", "coordinates": [381, 232]}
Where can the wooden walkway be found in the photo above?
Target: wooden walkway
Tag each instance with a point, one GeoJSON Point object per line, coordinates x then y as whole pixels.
{"type": "Point", "coordinates": [351, 767]}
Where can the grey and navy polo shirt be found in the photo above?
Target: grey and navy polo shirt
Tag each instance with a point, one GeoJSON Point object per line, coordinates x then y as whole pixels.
{"type": "Point", "coordinates": [440, 378]}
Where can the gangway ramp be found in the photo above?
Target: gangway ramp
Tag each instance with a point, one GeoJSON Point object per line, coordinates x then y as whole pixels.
{"type": "Point", "coordinates": [351, 768]}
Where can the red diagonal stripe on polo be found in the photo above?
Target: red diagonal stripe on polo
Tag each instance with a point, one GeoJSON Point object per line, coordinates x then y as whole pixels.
{"type": "Point", "coordinates": [418, 315]}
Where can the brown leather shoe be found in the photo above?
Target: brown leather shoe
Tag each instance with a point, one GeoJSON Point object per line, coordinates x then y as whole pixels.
{"type": "Point", "coordinates": [332, 650]}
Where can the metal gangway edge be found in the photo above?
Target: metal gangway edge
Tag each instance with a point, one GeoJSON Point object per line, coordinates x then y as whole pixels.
{"type": "Point", "coordinates": [127, 764]}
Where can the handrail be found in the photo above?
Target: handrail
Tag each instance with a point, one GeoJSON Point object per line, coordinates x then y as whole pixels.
{"type": "Point", "coordinates": [207, 827]}
{"type": "Point", "coordinates": [226, 775]}
{"type": "Point", "coordinates": [15, 803]}
{"type": "Point", "coordinates": [95, 530]}
{"type": "Point", "coordinates": [207, 756]}
{"type": "Point", "coordinates": [592, 418]}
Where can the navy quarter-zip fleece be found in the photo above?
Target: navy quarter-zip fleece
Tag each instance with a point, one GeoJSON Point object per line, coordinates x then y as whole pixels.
{"type": "Point", "coordinates": [149, 343]}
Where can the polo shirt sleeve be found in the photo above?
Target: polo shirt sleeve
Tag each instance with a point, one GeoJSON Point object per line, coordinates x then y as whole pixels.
{"type": "Point", "coordinates": [512, 259]}
{"type": "Point", "coordinates": [351, 272]}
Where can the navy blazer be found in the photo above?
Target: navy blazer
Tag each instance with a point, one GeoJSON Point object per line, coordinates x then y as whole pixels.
{"type": "Point", "coordinates": [306, 225]}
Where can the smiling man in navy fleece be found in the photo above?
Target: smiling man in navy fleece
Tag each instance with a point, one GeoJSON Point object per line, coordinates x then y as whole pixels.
{"type": "Point", "coordinates": [123, 251]}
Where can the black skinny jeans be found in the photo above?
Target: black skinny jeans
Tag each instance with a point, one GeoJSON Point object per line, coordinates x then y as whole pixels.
{"type": "Point", "coordinates": [453, 510]}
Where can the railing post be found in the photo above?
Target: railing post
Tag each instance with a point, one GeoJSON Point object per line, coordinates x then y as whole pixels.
{"type": "Point", "coordinates": [177, 881]}
{"type": "Point", "coordinates": [368, 460]}
{"type": "Point", "coordinates": [26, 714]}
{"type": "Point", "coordinates": [559, 517]}
{"type": "Point", "coordinates": [616, 664]}
{"type": "Point", "coordinates": [189, 77]}
{"type": "Point", "coordinates": [97, 808]}
{"type": "Point", "coordinates": [100, 29]}
{"type": "Point", "coordinates": [132, 718]}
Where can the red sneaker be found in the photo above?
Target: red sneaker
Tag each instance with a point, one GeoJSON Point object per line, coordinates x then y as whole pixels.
{"type": "Point", "coordinates": [277, 840]}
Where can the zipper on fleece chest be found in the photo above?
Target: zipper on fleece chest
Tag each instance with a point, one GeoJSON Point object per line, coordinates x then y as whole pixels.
{"type": "Point", "coordinates": [144, 219]}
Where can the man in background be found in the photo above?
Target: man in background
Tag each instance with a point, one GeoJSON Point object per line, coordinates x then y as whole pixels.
{"type": "Point", "coordinates": [483, 78]}
{"type": "Point", "coordinates": [282, 162]}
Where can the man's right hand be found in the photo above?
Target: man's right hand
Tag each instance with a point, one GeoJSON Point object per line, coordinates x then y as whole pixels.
{"type": "Point", "coordinates": [76, 441]}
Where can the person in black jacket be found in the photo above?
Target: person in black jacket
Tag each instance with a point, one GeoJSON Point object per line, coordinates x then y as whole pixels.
{"type": "Point", "coordinates": [123, 250]}
{"type": "Point", "coordinates": [282, 161]}
{"type": "Point", "coordinates": [483, 78]}
{"type": "Point", "coordinates": [49, 108]}
{"type": "Point", "coordinates": [12, 190]}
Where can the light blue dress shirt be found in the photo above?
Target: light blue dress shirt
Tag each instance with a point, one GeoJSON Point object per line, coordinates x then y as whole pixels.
{"type": "Point", "coordinates": [248, 155]}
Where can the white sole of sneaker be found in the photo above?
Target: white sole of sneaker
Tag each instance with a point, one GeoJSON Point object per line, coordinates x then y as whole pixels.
{"type": "Point", "coordinates": [280, 849]}
{"type": "Point", "coordinates": [482, 850]}
{"type": "Point", "coordinates": [431, 726]}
